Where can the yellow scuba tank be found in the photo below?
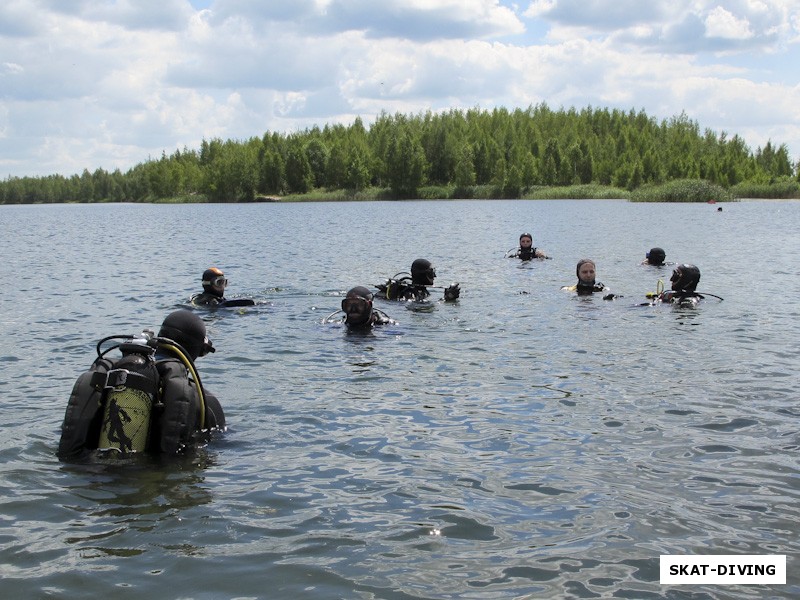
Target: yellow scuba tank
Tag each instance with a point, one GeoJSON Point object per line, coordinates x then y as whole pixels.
{"type": "Point", "coordinates": [131, 392]}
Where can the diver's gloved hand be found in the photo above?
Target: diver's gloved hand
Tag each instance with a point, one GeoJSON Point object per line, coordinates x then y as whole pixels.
{"type": "Point", "coordinates": [453, 292]}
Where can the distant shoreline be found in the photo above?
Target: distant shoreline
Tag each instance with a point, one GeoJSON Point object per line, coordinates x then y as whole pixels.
{"type": "Point", "coordinates": [683, 190]}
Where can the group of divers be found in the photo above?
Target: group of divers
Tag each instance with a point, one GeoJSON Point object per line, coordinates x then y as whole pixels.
{"type": "Point", "coordinates": [151, 401]}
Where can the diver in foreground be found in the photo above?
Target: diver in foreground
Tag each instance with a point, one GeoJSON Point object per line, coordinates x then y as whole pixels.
{"type": "Point", "coordinates": [213, 294]}
{"type": "Point", "coordinates": [414, 286]}
{"type": "Point", "coordinates": [587, 285]}
{"type": "Point", "coordinates": [684, 280]}
{"type": "Point", "coordinates": [150, 400]}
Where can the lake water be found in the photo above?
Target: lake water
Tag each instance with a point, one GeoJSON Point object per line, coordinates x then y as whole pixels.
{"type": "Point", "coordinates": [520, 443]}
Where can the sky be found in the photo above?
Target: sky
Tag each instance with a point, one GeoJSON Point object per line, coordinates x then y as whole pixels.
{"type": "Point", "coordinates": [88, 84]}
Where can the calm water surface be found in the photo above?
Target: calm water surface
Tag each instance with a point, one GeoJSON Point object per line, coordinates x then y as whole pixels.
{"type": "Point", "coordinates": [521, 443]}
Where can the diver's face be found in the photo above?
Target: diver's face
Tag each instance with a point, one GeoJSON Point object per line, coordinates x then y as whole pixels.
{"type": "Point", "coordinates": [357, 310]}
{"type": "Point", "coordinates": [218, 284]}
{"type": "Point", "coordinates": [676, 279]}
{"type": "Point", "coordinates": [525, 243]}
{"type": "Point", "coordinates": [586, 273]}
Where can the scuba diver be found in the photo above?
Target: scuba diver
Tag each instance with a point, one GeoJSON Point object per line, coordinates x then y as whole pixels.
{"type": "Point", "coordinates": [587, 285]}
{"type": "Point", "coordinates": [150, 400]}
{"type": "Point", "coordinates": [213, 294]}
{"type": "Point", "coordinates": [655, 256]}
{"type": "Point", "coordinates": [359, 312]}
{"type": "Point", "coordinates": [414, 286]}
{"type": "Point", "coordinates": [526, 251]}
{"type": "Point", "coordinates": [684, 280]}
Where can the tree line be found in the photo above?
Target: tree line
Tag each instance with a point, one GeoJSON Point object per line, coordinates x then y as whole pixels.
{"type": "Point", "coordinates": [510, 150]}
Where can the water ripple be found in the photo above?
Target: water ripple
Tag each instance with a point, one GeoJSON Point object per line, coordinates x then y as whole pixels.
{"type": "Point", "coordinates": [522, 442]}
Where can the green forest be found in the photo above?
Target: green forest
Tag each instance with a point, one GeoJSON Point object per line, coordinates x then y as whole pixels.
{"type": "Point", "coordinates": [500, 153]}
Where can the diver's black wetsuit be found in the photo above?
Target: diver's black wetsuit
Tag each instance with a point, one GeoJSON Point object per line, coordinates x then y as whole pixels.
{"type": "Point", "coordinates": [414, 287]}
{"type": "Point", "coordinates": [378, 317]}
{"type": "Point", "coordinates": [684, 281]}
{"type": "Point", "coordinates": [680, 298]}
{"type": "Point", "coordinates": [527, 254]}
{"type": "Point", "coordinates": [584, 290]}
{"type": "Point", "coordinates": [402, 289]}
{"type": "Point", "coordinates": [210, 300]}
{"type": "Point", "coordinates": [207, 299]}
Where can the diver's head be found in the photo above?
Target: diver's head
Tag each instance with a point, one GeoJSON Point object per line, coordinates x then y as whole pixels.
{"type": "Point", "coordinates": [422, 272]}
{"type": "Point", "coordinates": [214, 281]}
{"type": "Point", "coordinates": [585, 272]}
{"type": "Point", "coordinates": [656, 256]}
{"type": "Point", "coordinates": [357, 306]}
{"type": "Point", "coordinates": [526, 241]}
{"type": "Point", "coordinates": [186, 328]}
{"type": "Point", "coordinates": [685, 278]}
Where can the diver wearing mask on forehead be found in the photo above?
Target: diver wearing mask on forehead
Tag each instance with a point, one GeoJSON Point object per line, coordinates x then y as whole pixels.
{"type": "Point", "coordinates": [359, 313]}
{"type": "Point", "coordinates": [414, 286]}
{"type": "Point", "coordinates": [213, 294]}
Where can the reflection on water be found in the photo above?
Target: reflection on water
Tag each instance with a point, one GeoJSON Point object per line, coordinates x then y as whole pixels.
{"type": "Point", "coordinates": [522, 442]}
{"type": "Point", "coordinates": [121, 502]}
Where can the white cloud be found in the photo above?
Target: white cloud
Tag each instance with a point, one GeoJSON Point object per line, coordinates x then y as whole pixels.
{"type": "Point", "coordinates": [423, 19]}
{"type": "Point", "coordinates": [17, 19]}
{"type": "Point", "coordinates": [683, 26]}
{"type": "Point", "coordinates": [540, 8]}
{"type": "Point", "coordinates": [596, 14]}
{"type": "Point", "coordinates": [88, 84]}
{"type": "Point", "coordinates": [162, 15]}
{"type": "Point", "coordinates": [11, 68]}
{"type": "Point", "coordinates": [722, 24]}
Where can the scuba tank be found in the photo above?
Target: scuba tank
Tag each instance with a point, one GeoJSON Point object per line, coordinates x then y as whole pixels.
{"type": "Point", "coordinates": [130, 393]}
{"type": "Point", "coordinates": [141, 402]}
{"type": "Point", "coordinates": [396, 286]}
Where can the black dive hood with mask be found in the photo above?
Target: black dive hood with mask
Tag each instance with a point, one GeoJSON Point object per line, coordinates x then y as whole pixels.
{"type": "Point", "coordinates": [656, 256]}
{"type": "Point", "coordinates": [189, 331]}
{"type": "Point", "coordinates": [422, 272]}
{"type": "Point", "coordinates": [685, 278]}
{"type": "Point", "coordinates": [363, 297]}
{"type": "Point", "coordinates": [209, 275]}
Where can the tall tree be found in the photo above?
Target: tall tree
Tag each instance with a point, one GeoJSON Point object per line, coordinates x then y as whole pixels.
{"type": "Point", "coordinates": [405, 164]}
